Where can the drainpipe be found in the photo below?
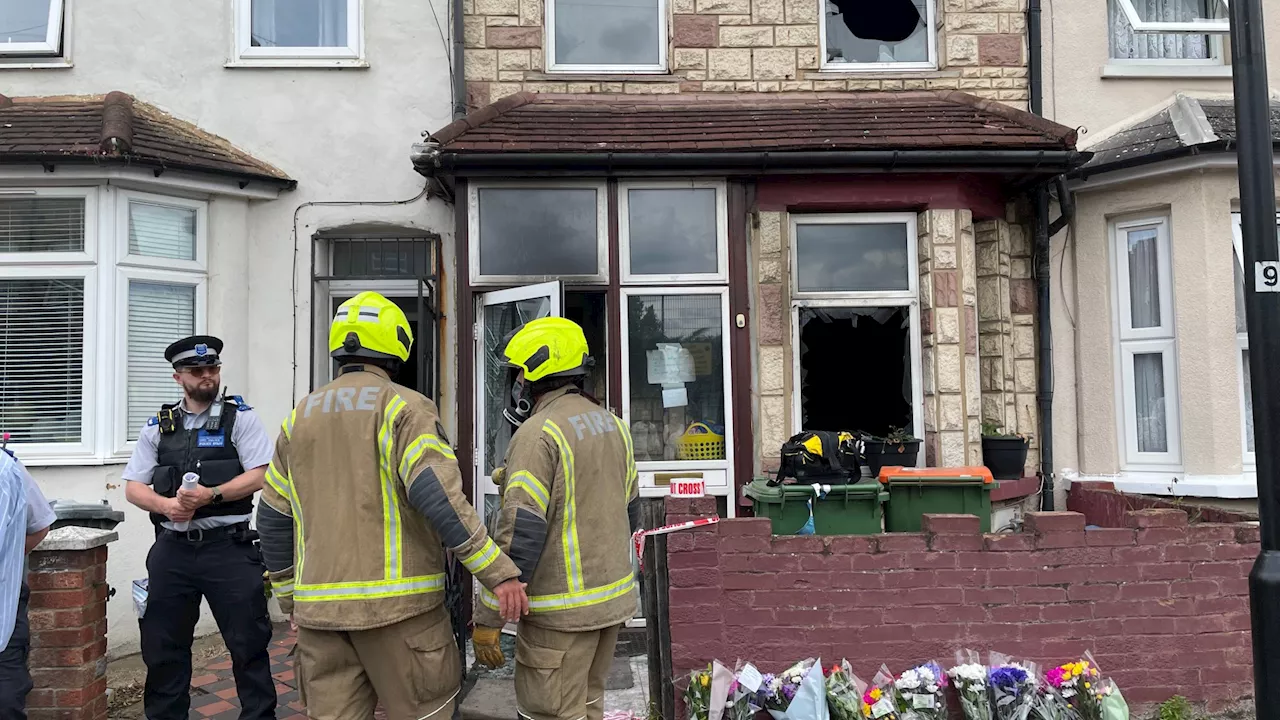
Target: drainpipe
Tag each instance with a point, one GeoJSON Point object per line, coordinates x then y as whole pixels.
{"type": "Point", "coordinates": [1042, 253]}
{"type": "Point", "coordinates": [459, 57]}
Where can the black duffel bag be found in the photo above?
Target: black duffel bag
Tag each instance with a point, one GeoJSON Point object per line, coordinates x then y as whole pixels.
{"type": "Point", "coordinates": [830, 458]}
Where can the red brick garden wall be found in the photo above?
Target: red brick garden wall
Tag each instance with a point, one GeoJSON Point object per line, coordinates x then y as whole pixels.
{"type": "Point", "coordinates": [1164, 607]}
{"type": "Point", "coordinates": [1105, 506]}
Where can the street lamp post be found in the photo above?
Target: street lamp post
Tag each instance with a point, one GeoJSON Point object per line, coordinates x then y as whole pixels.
{"type": "Point", "coordinates": [1262, 308]}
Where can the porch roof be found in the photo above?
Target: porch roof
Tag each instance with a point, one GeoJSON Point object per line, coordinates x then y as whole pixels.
{"type": "Point", "coordinates": [907, 129]}
{"type": "Point", "coordinates": [117, 129]}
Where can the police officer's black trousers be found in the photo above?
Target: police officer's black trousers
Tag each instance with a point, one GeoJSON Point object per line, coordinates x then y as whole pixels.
{"type": "Point", "coordinates": [229, 575]}
{"type": "Point", "coordinates": [15, 678]}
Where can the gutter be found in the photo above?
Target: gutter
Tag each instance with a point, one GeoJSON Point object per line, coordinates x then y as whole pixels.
{"type": "Point", "coordinates": [1044, 232]}
{"type": "Point", "coordinates": [430, 161]}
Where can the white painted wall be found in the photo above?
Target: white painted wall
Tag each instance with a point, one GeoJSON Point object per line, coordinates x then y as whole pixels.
{"type": "Point", "coordinates": [344, 135]}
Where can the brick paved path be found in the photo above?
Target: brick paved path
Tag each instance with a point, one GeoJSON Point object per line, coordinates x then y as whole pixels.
{"type": "Point", "coordinates": [213, 692]}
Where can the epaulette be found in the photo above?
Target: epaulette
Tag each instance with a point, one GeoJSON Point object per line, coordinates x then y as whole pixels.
{"type": "Point", "coordinates": [153, 421]}
{"type": "Point", "coordinates": [241, 405]}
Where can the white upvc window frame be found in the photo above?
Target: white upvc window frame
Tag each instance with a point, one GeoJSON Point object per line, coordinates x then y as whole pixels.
{"type": "Point", "coordinates": [89, 255]}
{"type": "Point", "coordinates": [90, 409]}
{"type": "Point", "coordinates": [125, 198]}
{"type": "Point", "coordinates": [931, 25]}
{"type": "Point", "coordinates": [715, 473]}
{"type": "Point", "coordinates": [1168, 67]}
{"type": "Point", "coordinates": [52, 45]}
{"type": "Point", "coordinates": [664, 40]}
{"type": "Point", "coordinates": [245, 54]}
{"type": "Point", "coordinates": [1139, 341]}
{"type": "Point", "coordinates": [720, 276]}
{"type": "Point", "coordinates": [479, 280]}
{"type": "Point", "coordinates": [1250, 458]}
{"type": "Point", "coordinates": [1196, 27]}
{"type": "Point", "coordinates": [908, 299]}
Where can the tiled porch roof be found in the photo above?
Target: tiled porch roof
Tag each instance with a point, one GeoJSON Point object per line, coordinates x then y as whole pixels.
{"type": "Point", "coordinates": [116, 129]}
{"type": "Point", "coordinates": [728, 123]}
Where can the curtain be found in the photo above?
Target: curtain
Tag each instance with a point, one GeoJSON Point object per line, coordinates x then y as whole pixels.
{"type": "Point", "coordinates": [1128, 45]}
{"type": "Point", "coordinates": [1144, 279]}
{"type": "Point", "coordinates": [1148, 393]}
{"type": "Point", "coordinates": [299, 23]}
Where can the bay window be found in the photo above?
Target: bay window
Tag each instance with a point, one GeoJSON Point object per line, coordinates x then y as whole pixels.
{"type": "Point", "coordinates": [1147, 358]}
{"type": "Point", "coordinates": [1167, 32]}
{"type": "Point", "coordinates": [855, 294]}
{"type": "Point", "coordinates": [94, 284]}
{"type": "Point", "coordinates": [1242, 343]}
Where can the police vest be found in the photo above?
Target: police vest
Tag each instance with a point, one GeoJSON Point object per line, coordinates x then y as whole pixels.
{"type": "Point", "coordinates": [208, 452]}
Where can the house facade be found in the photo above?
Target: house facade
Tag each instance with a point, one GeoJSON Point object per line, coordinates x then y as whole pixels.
{"type": "Point", "coordinates": [248, 137]}
{"type": "Point", "coordinates": [1150, 345]}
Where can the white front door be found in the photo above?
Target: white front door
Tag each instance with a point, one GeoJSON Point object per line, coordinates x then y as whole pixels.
{"type": "Point", "coordinates": [497, 314]}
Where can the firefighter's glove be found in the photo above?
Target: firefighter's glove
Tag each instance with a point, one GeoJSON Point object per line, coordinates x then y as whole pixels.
{"type": "Point", "coordinates": [487, 643]}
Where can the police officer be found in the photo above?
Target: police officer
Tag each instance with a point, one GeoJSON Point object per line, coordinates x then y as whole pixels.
{"type": "Point", "coordinates": [362, 493]}
{"type": "Point", "coordinates": [204, 547]}
{"type": "Point", "coordinates": [569, 506]}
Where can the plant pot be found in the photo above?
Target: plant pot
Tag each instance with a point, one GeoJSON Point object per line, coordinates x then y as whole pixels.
{"type": "Point", "coordinates": [1005, 457]}
{"type": "Point", "coordinates": [880, 453]}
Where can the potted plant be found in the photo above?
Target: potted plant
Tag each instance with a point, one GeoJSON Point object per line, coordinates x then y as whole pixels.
{"type": "Point", "coordinates": [1004, 454]}
{"type": "Point", "coordinates": [898, 447]}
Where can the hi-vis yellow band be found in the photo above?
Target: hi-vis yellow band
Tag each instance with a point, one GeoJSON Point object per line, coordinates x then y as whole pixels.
{"type": "Point", "coordinates": [524, 480]}
{"type": "Point", "coordinates": [631, 455]}
{"type": "Point", "coordinates": [392, 537]}
{"type": "Point", "coordinates": [415, 450]}
{"type": "Point", "coordinates": [369, 590]}
{"type": "Point", "coordinates": [278, 482]}
{"type": "Point", "coordinates": [483, 558]}
{"type": "Point", "coordinates": [287, 426]}
{"type": "Point", "coordinates": [571, 600]}
{"type": "Point", "coordinates": [569, 529]}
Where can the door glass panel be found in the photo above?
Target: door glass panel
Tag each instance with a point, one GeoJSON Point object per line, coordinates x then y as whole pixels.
{"type": "Point", "coordinates": [675, 346]}
{"type": "Point", "coordinates": [1149, 398]}
{"type": "Point", "coordinates": [499, 320]}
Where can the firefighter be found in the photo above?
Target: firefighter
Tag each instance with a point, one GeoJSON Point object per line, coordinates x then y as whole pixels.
{"type": "Point", "coordinates": [569, 506]}
{"type": "Point", "coordinates": [361, 494]}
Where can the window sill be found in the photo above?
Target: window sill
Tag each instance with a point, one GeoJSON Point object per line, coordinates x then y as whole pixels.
{"type": "Point", "coordinates": [641, 76]}
{"type": "Point", "coordinates": [40, 64]}
{"type": "Point", "coordinates": [298, 63]}
{"type": "Point", "coordinates": [50, 461]}
{"type": "Point", "coordinates": [887, 72]}
{"type": "Point", "coordinates": [1171, 70]}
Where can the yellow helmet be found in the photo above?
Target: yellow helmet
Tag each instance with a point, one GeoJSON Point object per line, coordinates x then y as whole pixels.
{"type": "Point", "coordinates": [370, 326]}
{"type": "Point", "coordinates": [547, 347]}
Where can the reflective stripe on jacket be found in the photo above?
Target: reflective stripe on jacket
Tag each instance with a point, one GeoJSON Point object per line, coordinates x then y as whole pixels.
{"type": "Point", "coordinates": [569, 475]}
{"type": "Point", "coordinates": [364, 469]}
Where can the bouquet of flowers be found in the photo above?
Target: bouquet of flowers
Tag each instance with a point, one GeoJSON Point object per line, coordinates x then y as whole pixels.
{"type": "Point", "coordinates": [741, 694]}
{"type": "Point", "coordinates": [970, 679]}
{"type": "Point", "coordinates": [1050, 705]}
{"type": "Point", "coordinates": [1080, 686]}
{"type": "Point", "coordinates": [879, 700]}
{"type": "Point", "coordinates": [799, 693]}
{"type": "Point", "coordinates": [697, 696]}
{"type": "Point", "coordinates": [1014, 688]}
{"type": "Point", "coordinates": [843, 698]}
{"type": "Point", "coordinates": [921, 692]}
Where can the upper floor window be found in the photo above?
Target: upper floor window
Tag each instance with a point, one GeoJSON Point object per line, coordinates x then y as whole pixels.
{"type": "Point", "coordinates": [299, 32]}
{"type": "Point", "coordinates": [1137, 25]}
{"type": "Point", "coordinates": [606, 35]}
{"type": "Point", "coordinates": [887, 35]}
{"type": "Point", "coordinates": [31, 27]}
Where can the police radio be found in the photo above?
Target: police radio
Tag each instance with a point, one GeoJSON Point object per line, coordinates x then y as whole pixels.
{"type": "Point", "coordinates": [215, 412]}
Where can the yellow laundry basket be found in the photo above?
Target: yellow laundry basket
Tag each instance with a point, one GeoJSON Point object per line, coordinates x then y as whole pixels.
{"type": "Point", "coordinates": [700, 442]}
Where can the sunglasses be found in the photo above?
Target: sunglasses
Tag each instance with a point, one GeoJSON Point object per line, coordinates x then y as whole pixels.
{"type": "Point", "coordinates": [202, 370]}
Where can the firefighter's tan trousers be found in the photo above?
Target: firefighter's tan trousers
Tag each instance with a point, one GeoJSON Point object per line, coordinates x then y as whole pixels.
{"type": "Point", "coordinates": [561, 675]}
{"type": "Point", "coordinates": [412, 667]}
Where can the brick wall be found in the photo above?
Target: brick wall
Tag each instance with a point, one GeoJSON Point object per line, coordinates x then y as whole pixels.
{"type": "Point", "coordinates": [1107, 507]}
{"type": "Point", "coordinates": [1162, 605]}
{"type": "Point", "coordinates": [68, 613]}
{"type": "Point", "coordinates": [749, 46]}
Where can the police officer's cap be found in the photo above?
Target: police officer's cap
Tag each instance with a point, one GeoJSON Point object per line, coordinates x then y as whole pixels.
{"type": "Point", "coordinates": [194, 351]}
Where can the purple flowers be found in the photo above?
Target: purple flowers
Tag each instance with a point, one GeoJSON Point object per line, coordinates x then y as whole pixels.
{"type": "Point", "coordinates": [1009, 678]}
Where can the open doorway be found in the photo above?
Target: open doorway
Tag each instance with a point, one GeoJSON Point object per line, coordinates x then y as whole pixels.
{"type": "Point", "coordinates": [408, 374]}
{"type": "Point", "coordinates": [855, 369]}
{"type": "Point", "coordinates": [590, 310]}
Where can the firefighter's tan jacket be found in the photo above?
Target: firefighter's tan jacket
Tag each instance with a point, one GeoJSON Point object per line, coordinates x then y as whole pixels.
{"type": "Point", "coordinates": [569, 476]}
{"type": "Point", "coordinates": [365, 470]}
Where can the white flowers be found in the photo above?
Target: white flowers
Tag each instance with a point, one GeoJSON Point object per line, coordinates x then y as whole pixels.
{"type": "Point", "coordinates": [918, 678]}
{"type": "Point", "coordinates": [970, 673]}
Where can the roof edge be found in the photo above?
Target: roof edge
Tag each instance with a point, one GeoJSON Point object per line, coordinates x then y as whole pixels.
{"type": "Point", "coordinates": [1022, 117]}
{"type": "Point", "coordinates": [158, 167]}
{"type": "Point", "coordinates": [476, 118]}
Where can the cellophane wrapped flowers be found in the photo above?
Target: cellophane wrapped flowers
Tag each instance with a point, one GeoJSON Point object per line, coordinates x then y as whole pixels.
{"type": "Point", "coordinates": [697, 696]}
{"type": "Point", "coordinates": [1080, 685]}
{"type": "Point", "coordinates": [879, 700]}
{"type": "Point", "coordinates": [921, 693]}
{"type": "Point", "coordinates": [970, 680]}
{"type": "Point", "coordinates": [1013, 688]}
{"type": "Point", "coordinates": [843, 698]}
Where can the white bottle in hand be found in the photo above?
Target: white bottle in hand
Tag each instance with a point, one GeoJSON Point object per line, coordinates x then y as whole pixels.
{"type": "Point", "coordinates": [189, 483]}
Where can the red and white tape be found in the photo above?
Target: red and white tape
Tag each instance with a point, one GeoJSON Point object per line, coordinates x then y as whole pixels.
{"type": "Point", "coordinates": [638, 536]}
